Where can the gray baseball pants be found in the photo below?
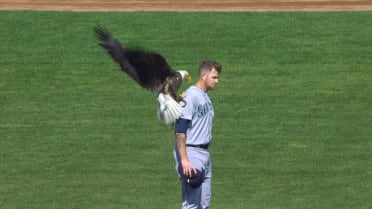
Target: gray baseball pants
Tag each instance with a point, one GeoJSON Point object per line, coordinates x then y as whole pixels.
{"type": "Point", "coordinates": [196, 198]}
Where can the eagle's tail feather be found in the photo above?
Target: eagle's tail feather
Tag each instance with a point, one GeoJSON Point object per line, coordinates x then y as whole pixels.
{"type": "Point", "coordinates": [169, 110]}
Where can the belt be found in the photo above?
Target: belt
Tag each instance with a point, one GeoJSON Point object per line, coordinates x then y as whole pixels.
{"type": "Point", "coordinates": [203, 146]}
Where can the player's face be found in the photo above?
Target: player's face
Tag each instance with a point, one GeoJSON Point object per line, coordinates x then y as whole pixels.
{"type": "Point", "coordinates": [211, 80]}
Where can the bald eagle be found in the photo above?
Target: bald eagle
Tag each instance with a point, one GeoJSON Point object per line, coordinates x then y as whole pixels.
{"type": "Point", "coordinates": [151, 71]}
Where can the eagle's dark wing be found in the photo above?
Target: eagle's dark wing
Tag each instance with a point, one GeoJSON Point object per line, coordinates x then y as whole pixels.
{"type": "Point", "coordinates": [149, 69]}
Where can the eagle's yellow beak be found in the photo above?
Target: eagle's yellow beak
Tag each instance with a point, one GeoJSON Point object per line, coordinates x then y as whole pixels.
{"type": "Point", "coordinates": [188, 78]}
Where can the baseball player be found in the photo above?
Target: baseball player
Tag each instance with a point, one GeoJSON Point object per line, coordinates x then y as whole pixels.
{"type": "Point", "coordinates": [193, 136]}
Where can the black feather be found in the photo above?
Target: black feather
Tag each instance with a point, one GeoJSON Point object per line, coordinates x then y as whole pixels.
{"type": "Point", "coordinates": [149, 69]}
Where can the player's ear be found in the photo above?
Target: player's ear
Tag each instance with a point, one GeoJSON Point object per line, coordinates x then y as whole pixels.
{"type": "Point", "coordinates": [204, 75]}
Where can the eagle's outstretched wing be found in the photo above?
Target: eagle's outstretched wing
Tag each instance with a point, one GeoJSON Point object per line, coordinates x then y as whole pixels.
{"type": "Point", "coordinates": [149, 69]}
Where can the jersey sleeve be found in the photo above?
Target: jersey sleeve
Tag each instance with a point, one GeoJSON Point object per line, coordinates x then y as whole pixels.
{"type": "Point", "coordinates": [187, 106]}
{"type": "Point", "coordinates": [182, 125]}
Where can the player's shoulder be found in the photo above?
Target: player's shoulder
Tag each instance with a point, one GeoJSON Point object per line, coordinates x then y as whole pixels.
{"type": "Point", "coordinates": [191, 93]}
{"type": "Point", "coordinates": [192, 90]}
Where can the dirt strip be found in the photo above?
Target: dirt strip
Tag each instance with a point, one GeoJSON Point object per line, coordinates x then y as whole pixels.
{"type": "Point", "coordinates": [188, 5]}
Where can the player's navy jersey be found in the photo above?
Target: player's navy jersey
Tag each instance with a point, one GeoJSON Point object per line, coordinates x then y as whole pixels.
{"type": "Point", "coordinates": [197, 108]}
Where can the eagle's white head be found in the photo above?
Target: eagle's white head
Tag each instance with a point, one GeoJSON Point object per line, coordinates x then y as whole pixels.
{"type": "Point", "coordinates": [185, 75]}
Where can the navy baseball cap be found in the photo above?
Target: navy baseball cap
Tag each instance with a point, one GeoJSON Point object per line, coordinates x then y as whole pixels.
{"type": "Point", "coordinates": [195, 180]}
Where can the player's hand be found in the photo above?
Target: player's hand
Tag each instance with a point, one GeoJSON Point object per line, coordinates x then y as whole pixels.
{"type": "Point", "coordinates": [188, 168]}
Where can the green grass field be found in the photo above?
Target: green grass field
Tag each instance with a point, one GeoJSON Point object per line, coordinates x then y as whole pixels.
{"type": "Point", "coordinates": [293, 125]}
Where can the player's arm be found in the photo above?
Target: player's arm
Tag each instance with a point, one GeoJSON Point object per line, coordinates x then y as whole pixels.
{"type": "Point", "coordinates": [187, 167]}
{"type": "Point", "coordinates": [180, 129]}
